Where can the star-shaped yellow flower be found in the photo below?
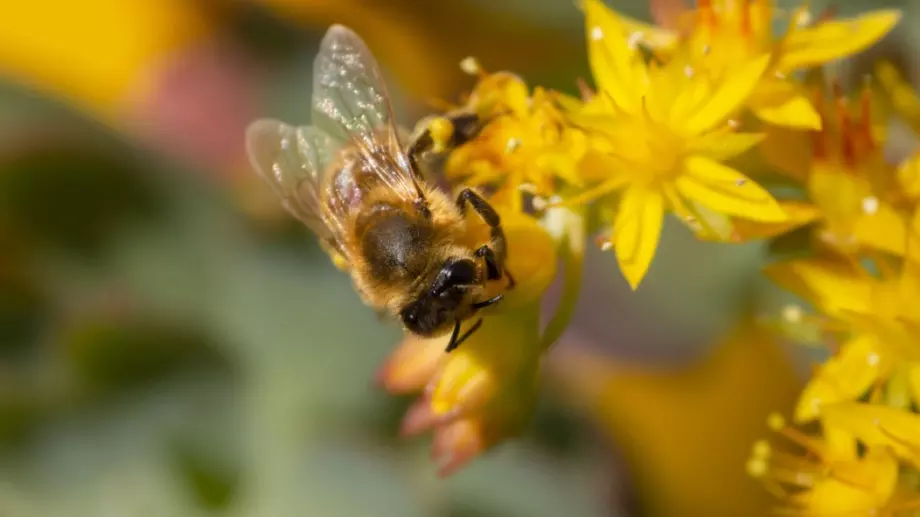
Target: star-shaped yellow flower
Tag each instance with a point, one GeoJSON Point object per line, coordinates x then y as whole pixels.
{"type": "Point", "coordinates": [831, 478]}
{"type": "Point", "coordinates": [523, 146]}
{"type": "Point", "coordinates": [845, 174]}
{"type": "Point", "coordinates": [722, 34]}
{"type": "Point", "coordinates": [660, 135]}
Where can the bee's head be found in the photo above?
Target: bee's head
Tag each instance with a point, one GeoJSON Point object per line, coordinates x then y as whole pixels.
{"type": "Point", "coordinates": [449, 298]}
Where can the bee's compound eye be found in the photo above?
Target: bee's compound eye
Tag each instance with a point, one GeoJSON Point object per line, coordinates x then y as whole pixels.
{"type": "Point", "coordinates": [461, 272]}
{"type": "Point", "coordinates": [423, 317]}
{"type": "Point", "coordinates": [411, 319]}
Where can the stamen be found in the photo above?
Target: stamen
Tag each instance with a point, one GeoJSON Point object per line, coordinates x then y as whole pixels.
{"type": "Point", "coordinates": [870, 205]}
{"type": "Point", "coordinates": [804, 18]}
{"type": "Point", "coordinates": [597, 33]}
{"type": "Point", "coordinates": [603, 243]}
{"type": "Point", "coordinates": [471, 66]}
{"type": "Point", "coordinates": [634, 40]}
{"type": "Point", "coordinates": [792, 313]}
{"type": "Point", "coordinates": [757, 468]}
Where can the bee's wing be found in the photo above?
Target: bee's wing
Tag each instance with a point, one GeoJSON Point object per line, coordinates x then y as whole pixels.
{"type": "Point", "coordinates": [292, 160]}
{"type": "Point", "coordinates": [349, 96]}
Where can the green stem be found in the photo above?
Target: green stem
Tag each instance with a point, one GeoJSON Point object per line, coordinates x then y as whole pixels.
{"type": "Point", "coordinates": [568, 226]}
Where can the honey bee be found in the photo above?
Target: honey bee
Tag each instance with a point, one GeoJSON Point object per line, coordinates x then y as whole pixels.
{"type": "Point", "coordinates": [351, 181]}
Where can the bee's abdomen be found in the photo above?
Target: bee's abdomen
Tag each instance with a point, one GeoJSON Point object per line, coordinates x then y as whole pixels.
{"type": "Point", "coordinates": [395, 244]}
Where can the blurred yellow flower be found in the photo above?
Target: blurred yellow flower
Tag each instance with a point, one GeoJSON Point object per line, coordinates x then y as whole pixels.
{"type": "Point", "coordinates": [482, 392]}
{"type": "Point", "coordinates": [719, 35]}
{"type": "Point", "coordinates": [667, 420]}
{"type": "Point", "coordinates": [862, 396]}
{"type": "Point", "coordinates": [874, 425]}
{"type": "Point", "coordinates": [523, 147]}
{"type": "Point", "coordinates": [905, 103]}
{"type": "Point", "coordinates": [420, 45]}
{"type": "Point", "coordinates": [845, 174]}
{"type": "Point", "coordinates": [900, 93]}
{"type": "Point", "coordinates": [831, 478]}
{"type": "Point", "coordinates": [94, 54]}
{"type": "Point", "coordinates": [660, 134]}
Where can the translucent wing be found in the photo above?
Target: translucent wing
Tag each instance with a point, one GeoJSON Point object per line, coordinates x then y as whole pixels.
{"type": "Point", "coordinates": [293, 160]}
{"type": "Point", "coordinates": [349, 95]}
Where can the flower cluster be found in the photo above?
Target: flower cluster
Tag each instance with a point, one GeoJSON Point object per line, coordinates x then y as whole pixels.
{"type": "Point", "coordinates": [698, 116]}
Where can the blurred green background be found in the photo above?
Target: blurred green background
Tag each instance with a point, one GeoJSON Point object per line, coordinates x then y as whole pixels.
{"type": "Point", "coordinates": [172, 344]}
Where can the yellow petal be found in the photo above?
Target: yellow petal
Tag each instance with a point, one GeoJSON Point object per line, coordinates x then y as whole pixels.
{"type": "Point", "coordinates": [897, 388]}
{"type": "Point", "coordinates": [644, 410]}
{"type": "Point", "coordinates": [93, 53]}
{"type": "Point", "coordinates": [788, 151]}
{"type": "Point", "coordinates": [636, 232]}
{"type": "Point", "coordinates": [781, 103]}
{"type": "Point", "coordinates": [616, 67]}
{"type": "Point", "coordinates": [798, 214]}
{"type": "Point", "coordinates": [913, 239]}
{"type": "Point", "coordinates": [734, 89]}
{"type": "Point", "coordinates": [909, 174]}
{"type": "Point", "coordinates": [844, 377]}
{"type": "Point", "coordinates": [878, 426]}
{"type": "Point", "coordinates": [833, 287]}
{"type": "Point", "coordinates": [839, 194]}
{"type": "Point", "coordinates": [705, 223]}
{"type": "Point", "coordinates": [727, 191]}
{"type": "Point", "coordinates": [723, 146]}
{"type": "Point", "coordinates": [859, 487]}
{"type": "Point", "coordinates": [903, 97]}
{"type": "Point", "coordinates": [914, 377]}
{"type": "Point", "coordinates": [884, 229]}
{"type": "Point", "coordinates": [653, 36]}
{"type": "Point", "coordinates": [412, 364]}
{"type": "Point", "coordinates": [835, 39]}
{"type": "Point", "coordinates": [531, 258]}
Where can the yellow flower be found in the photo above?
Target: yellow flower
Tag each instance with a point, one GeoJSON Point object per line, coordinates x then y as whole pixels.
{"type": "Point", "coordinates": [722, 34]}
{"type": "Point", "coordinates": [845, 174]}
{"type": "Point", "coordinates": [900, 93]}
{"type": "Point", "coordinates": [396, 29]}
{"type": "Point", "coordinates": [524, 146]}
{"type": "Point", "coordinates": [878, 426]}
{"type": "Point", "coordinates": [906, 104]}
{"type": "Point", "coordinates": [95, 55]}
{"type": "Point", "coordinates": [832, 478]}
{"type": "Point", "coordinates": [667, 420]}
{"type": "Point", "coordinates": [860, 365]}
{"type": "Point", "coordinates": [482, 392]}
{"type": "Point", "coordinates": [660, 134]}
{"type": "Point", "coordinates": [856, 301]}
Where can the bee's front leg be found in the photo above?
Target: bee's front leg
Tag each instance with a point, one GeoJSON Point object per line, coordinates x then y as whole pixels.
{"type": "Point", "coordinates": [442, 133]}
{"type": "Point", "coordinates": [493, 254]}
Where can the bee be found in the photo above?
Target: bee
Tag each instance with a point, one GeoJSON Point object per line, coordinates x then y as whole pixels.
{"type": "Point", "coordinates": [351, 181]}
